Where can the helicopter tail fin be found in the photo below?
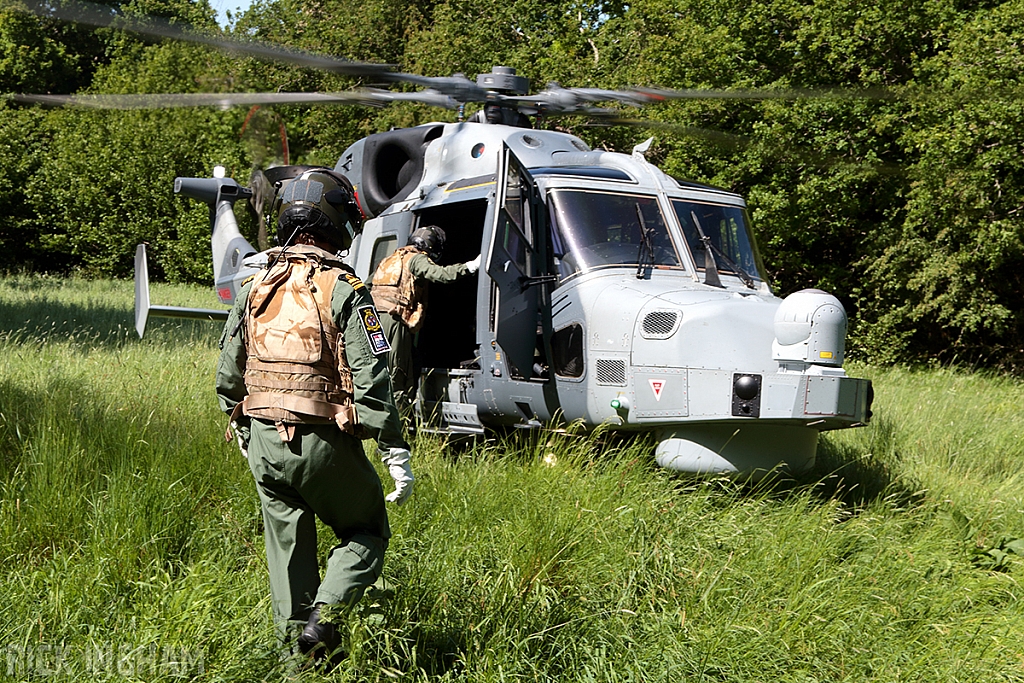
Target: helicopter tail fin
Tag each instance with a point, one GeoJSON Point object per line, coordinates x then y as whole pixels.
{"type": "Point", "coordinates": [143, 309]}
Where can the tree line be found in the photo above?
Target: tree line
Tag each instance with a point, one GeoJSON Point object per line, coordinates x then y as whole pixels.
{"type": "Point", "coordinates": [902, 194]}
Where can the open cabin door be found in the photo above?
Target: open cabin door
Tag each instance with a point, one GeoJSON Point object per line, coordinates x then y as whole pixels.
{"type": "Point", "coordinates": [515, 259]}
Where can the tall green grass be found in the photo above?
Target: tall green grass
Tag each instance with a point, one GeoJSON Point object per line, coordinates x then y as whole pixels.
{"type": "Point", "coordinates": [131, 544]}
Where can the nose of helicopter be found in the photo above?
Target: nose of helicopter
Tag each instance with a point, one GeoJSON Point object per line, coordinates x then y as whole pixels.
{"type": "Point", "coordinates": [704, 369]}
{"type": "Point", "coordinates": [656, 324]}
{"type": "Point", "coordinates": [712, 330]}
{"type": "Point", "coordinates": [654, 344]}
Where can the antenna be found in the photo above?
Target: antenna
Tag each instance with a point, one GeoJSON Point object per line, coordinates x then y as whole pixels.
{"type": "Point", "coordinates": [641, 149]}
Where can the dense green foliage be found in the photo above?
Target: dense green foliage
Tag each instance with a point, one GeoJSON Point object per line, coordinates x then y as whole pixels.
{"type": "Point", "coordinates": [907, 207]}
{"type": "Point", "coordinates": [131, 538]}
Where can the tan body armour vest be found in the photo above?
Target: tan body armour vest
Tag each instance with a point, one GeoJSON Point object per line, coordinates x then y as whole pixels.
{"type": "Point", "coordinates": [396, 290]}
{"type": "Point", "coordinates": [295, 370]}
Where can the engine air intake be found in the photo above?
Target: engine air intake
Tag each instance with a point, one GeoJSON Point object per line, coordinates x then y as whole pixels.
{"type": "Point", "coordinates": [660, 324]}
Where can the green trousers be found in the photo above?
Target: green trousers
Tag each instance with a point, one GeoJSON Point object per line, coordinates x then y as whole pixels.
{"type": "Point", "coordinates": [321, 473]}
{"type": "Point", "coordinates": [400, 363]}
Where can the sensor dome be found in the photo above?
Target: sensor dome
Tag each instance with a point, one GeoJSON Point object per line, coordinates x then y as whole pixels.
{"type": "Point", "coordinates": [810, 327]}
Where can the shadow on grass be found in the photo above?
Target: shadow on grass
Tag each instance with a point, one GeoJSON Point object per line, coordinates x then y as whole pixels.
{"type": "Point", "coordinates": [855, 475]}
{"type": "Point", "coordinates": [15, 428]}
{"type": "Point", "coordinates": [523, 446]}
{"type": "Point", "coordinates": [433, 650]}
{"type": "Point", "coordinates": [93, 324]}
{"type": "Point", "coordinates": [859, 475]}
{"type": "Point", "coordinates": [46, 319]}
{"type": "Point", "coordinates": [440, 651]}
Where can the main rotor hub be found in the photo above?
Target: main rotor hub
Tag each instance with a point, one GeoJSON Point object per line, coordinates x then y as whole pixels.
{"type": "Point", "coordinates": [503, 79]}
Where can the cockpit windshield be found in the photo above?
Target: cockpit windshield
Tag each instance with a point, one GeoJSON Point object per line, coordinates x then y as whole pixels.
{"type": "Point", "coordinates": [726, 227]}
{"type": "Point", "coordinates": [595, 229]}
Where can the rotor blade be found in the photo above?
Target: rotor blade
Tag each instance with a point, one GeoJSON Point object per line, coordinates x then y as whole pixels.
{"type": "Point", "coordinates": [558, 100]}
{"type": "Point", "coordinates": [653, 95]}
{"type": "Point", "coordinates": [457, 87]}
{"type": "Point", "coordinates": [429, 96]}
{"type": "Point", "coordinates": [597, 114]}
{"type": "Point", "coordinates": [100, 15]}
{"type": "Point", "coordinates": [223, 100]}
{"type": "Point", "coordinates": [554, 100]}
{"type": "Point", "coordinates": [444, 91]}
{"type": "Point", "coordinates": [630, 97]}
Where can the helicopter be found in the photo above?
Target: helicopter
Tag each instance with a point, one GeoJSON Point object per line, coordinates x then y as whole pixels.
{"type": "Point", "coordinates": [611, 294]}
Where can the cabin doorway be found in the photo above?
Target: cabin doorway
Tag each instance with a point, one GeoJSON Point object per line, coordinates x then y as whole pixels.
{"type": "Point", "coordinates": [448, 336]}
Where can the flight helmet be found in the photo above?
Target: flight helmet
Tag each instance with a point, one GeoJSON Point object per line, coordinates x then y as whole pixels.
{"type": "Point", "coordinates": [319, 202]}
{"type": "Point", "coordinates": [429, 239]}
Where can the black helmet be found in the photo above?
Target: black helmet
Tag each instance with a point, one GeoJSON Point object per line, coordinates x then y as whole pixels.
{"type": "Point", "coordinates": [319, 202]}
{"type": "Point", "coordinates": [429, 239]}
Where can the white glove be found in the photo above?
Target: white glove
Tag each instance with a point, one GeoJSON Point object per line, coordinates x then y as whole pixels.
{"type": "Point", "coordinates": [397, 460]}
{"type": "Point", "coordinates": [473, 265]}
{"type": "Point", "coordinates": [242, 438]}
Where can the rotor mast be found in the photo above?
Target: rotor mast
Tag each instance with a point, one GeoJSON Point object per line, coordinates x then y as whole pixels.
{"type": "Point", "coordinates": [503, 86]}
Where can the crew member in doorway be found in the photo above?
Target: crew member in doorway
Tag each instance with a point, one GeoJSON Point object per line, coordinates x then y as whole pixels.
{"type": "Point", "coordinates": [400, 293]}
{"type": "Point", "coordinates": [302, 372]}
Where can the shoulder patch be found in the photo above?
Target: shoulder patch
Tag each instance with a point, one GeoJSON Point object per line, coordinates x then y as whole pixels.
{"type": "Point", "coordinates": [370, 322]}
{"type": "Point", "coordinates": [353, 281]}
{"type": "Point", "coordinates": [247, 281]}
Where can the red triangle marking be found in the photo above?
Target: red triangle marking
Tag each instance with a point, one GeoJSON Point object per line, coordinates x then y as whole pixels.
{"type": "Point", "coordinates": [656, 386]}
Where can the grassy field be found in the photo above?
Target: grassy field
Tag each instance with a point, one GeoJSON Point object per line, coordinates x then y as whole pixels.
{"type": "Point", "coordinates": [131, 543]}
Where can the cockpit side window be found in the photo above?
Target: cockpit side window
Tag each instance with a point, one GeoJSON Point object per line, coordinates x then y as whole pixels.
{"type": "Point", "coordinates": [592, 230]}
{"type": "Point", "coordinates": [729, 232]}
{"type": "Point", "coordinates": [384, 247]}
{"type": "Point", "coordinates": [514, 233]}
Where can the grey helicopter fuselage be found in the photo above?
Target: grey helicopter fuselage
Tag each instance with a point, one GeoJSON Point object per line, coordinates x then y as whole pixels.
{"type": "Point", "coordinates": [596, 303]}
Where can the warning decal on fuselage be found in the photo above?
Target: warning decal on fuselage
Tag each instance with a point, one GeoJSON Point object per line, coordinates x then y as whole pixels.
{"type": "Point", "coordinates": [657, 386]}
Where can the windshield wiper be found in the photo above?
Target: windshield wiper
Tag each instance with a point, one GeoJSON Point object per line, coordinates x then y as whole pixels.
{"type": "Point", "coordinates": [742, 274]}
{"type": "Point", "coordinates": [645, 244]}
{"type": "Point", "coordinates": [710, 246]}
{"type": "Point", "coordinates": [710, 267]}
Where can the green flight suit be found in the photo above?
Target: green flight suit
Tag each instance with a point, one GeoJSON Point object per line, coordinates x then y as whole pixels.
{"type": "Point", "coordinates": [322, 472]}
{"type": "Point", "coordinates": [402, 339]}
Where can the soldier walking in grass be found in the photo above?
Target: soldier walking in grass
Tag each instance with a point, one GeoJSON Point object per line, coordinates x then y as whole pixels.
{"type": "Point", "coordinates": [302, 373]}
{"type": "Point", "coordinates": [400, 293]}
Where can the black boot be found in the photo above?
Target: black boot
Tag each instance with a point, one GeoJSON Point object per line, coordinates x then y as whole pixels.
{"type": "Point", "coordinates": [320, 639]}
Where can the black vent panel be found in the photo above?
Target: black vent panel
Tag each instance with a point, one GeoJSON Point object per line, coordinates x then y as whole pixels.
{"type": "Point", "coordinates": [611, 371]}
